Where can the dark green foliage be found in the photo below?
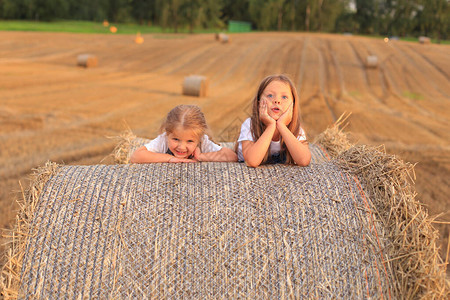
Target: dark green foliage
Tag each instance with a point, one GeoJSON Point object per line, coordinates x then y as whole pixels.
{"type": "Point", "coordinates": [381, 17]}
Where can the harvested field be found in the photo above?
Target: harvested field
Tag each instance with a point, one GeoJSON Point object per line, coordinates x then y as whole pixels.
{"type": "Point", "coordinates": [50, 109]}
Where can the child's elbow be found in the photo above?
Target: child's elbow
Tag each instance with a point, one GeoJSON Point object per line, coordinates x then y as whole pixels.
{"type": "Point", "coordinates": [137, 156]}
{"type": "Point", "coordinates": [233, 157]}
{"type": "Point", "coordinates": [134, 159]}
{"type": "Point", "coordinates": [252, 163]}
{"type": "Point", "coordinates": [304, 161]}
{"type": "Point", "coordinates": [229, 155]}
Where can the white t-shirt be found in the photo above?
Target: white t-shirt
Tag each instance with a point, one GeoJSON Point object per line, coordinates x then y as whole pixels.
{"type": "Point", "coordinates": [246, 135]}
{"type": "Point", "coordinates": [161, 145]}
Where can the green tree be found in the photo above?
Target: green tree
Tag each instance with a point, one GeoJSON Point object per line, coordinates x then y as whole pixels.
{"type": "Point", "coordinates": [434, 18]}
{"type": "Point", "coordinates": [14, 9]}
{"type": "Point", "coordinates": [235, 10]}
{"type": "Point", "coordinates": [366, 14]}
{"type": "Point", "coordinates": [402, 17]}
{"type": "Point", "coordinates": [171, 14]}
{"type": "Point", "coordinates": [92, 10]}
{"type": "Point", "coordinates": [324, 13]}
{"type": "Point", "coordinates": [48, 10]}
{"type": "Point", "coordinates": [118, 10]}
{"type": "Point", "coordinates": [265, 14]}
{"type": "Point", "coordinates": [143, 11]}
{"type": "Point", "coordinates": [206, 14]}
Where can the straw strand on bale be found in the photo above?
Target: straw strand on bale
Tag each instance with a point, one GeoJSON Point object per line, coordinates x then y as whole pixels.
{"type": "Point", "coordinates": [121, 152]}
{"type": "Point", "coordinates": [417, 267]}
{"type": "Point", "coordinates": [11, 272]}
{"type": "Point", "coordinates": [414, 260]}
{"type": "Point", "coordinates": [334, 139]}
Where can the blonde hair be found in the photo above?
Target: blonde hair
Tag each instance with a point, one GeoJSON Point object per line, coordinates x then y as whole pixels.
{"type": "Point", "coordinates": [186, 117]}
{"type": "Point", "coordinates": [257, 127]}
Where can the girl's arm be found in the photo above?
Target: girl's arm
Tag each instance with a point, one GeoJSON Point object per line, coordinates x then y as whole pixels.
{"type": "Point", "coordinates": [298, 150]}
{"type": "Point", "coordinates": [254, 152]}
{"type": "Point", "coordinates": [142, 155]}
{"type": "Point", "coordinates": [224, 154]}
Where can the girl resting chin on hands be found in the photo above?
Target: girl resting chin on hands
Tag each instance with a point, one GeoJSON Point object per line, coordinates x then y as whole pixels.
{"type": "Point", "coordinates": [273, 133]}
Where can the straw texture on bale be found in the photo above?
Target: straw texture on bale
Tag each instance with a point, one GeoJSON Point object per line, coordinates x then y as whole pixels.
{"type": "Point", "coordinates": [203, 230]}
{"type": "Point", "coordinates": [87, 60]}
{"type": "Point", "coordinates": [10, 276]}
{"type": "Point", "coordinates": [414, 265]}
{"type": "Point", "coordinates": [195, 85]}
{"type": "Point", "coordinates": [344, 227]}
{"type": "Point", "coordinates": [371, 61]}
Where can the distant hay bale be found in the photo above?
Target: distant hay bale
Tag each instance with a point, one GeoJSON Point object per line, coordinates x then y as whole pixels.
{"type": "Point", "coordinates": [371, 61]}
{"type": "Point", "coordinates": [345, 227]}
{"type": "Point", "coordinates": [424, 40]}
{"type": "Point", "coordinates": [195, 85]}
{"type": "Point", "coordinates": [224, 38]}
{"type": "Point", "coordinates": [87, 60]}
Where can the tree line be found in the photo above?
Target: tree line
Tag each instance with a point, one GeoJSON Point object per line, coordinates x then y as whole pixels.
{"type": "Point", "coordinates": [380, 17]}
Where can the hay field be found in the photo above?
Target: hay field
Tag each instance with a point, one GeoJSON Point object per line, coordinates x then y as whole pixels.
{"type": "Point", "coordinates": [50, 109]}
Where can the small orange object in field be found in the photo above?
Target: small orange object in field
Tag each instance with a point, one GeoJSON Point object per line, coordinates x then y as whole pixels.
{"type": "Point", "coordinates": [113, 29]}
{"type": "Point", "coordinates": [139, 39]}
{"type": "Point", "coordinates": [105, 23]}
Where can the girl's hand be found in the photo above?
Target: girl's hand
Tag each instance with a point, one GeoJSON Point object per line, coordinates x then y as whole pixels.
{"type": "Point", "coordinates": [286, 117]}
{"type": "Point", "coordinates": [180, 160]}
{"type": "Point", "coordinates": [197, 154]}
{"type": "Point", "coordinates": [263, 115]}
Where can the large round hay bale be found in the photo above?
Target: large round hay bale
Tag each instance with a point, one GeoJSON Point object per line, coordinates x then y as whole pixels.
{"type": "Point", "coordinates": [87, 60]}
{"type": "Point", "coordinates": [344, 228]}
{"type": "Point", "coordinates": [195, 85]}
{"type": "Point", "coordinates": [371, 61]}
{"type": "Point", "coordinates": [205, 230]}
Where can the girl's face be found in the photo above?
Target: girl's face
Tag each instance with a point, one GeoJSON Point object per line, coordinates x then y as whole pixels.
{"type": "Point", "coordinates": [182, 142]}
{"type": "Point", "coordinates": [279, 97]}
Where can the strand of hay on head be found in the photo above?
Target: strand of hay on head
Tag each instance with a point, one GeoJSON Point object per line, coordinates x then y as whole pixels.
{"type": "Point", "coordinates": [10, 275]}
